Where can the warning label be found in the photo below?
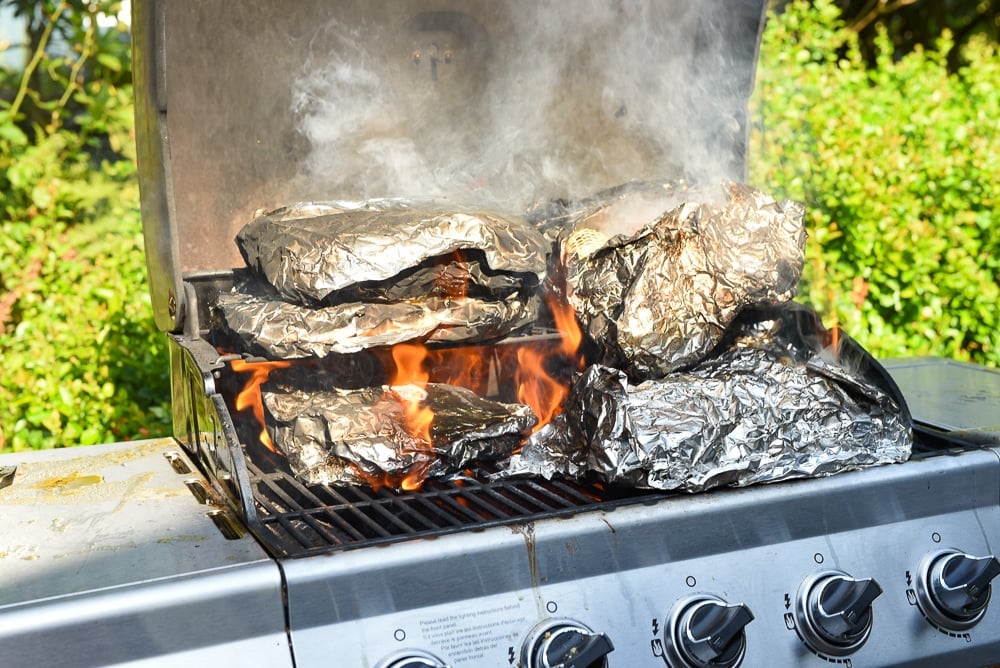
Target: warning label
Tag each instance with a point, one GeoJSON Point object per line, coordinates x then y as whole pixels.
{"type": "Point", "coordinates": [468, 637]}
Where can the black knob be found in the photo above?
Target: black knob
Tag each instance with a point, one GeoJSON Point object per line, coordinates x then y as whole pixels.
{"type": "Point", "coordinates": [415, 662]}
{"type": "Point", "coordinates": [566, 644]}
{"type": "Point", "coordinates": [953, 588]}
{"type": "Point", "coordinates": [833, 611]}
{"type": "Point", "coordinates": [705, 630]}
{"type": "Point", "coordinates": [414, 658]}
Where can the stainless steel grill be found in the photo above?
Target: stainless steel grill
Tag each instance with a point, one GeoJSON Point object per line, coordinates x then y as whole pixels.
{"type": "Point", "coordinates": [205, 548]}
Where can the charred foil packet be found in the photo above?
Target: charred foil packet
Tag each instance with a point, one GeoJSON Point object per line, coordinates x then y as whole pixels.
{"type": "Point", "coordinates": [349, 437]}
{"type": "Point", "coordinates": [660, 298]}
{"type": "Point", "coordinates": [771, 404]}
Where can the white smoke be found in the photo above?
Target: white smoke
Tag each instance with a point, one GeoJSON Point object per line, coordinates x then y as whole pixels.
{"type": "Point", "coordinates": [528, 101]}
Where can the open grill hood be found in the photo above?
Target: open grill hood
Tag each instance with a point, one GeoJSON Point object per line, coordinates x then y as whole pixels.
{"type": "Point", "coordinates": [251, 105]}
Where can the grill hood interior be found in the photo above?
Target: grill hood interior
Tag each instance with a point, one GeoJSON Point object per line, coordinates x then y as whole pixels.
{"type": "Point", "coordinates": [252, 105]}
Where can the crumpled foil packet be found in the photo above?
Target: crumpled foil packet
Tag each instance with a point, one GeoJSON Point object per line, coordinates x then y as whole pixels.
{"type": "Point", "coordinates": [624, 209]}
{"type": "Point", "coordinates": [764, 409]}
{"type": "Point", "coordinates": [311, 251]}
{"type": "Point", "coordinates": [350, 437]}
{"type": "Point", "coordinates": [278, 329]}
{"type": "Point", "coordinates": [660, 299]}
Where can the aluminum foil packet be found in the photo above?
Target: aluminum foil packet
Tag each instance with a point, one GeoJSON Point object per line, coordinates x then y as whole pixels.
{"type": "Point", "coordinates": [349, 437]}
{"type": "Point", "coordinates": [765, 408]}
{"type": "Point", "coordinates": [278, 329]}
{"type": "Point", "coordinates": [660, 299]}
{"type": "Point", "coordinates": [313, 251]}
{"type": "Point", "coordinates": [622, 210]}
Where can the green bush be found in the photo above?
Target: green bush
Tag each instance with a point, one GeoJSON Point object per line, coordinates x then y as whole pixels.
{"type": "Point", "coordinates": [899, 168]}
{"type": "Point", "coordinates": [81, 359]}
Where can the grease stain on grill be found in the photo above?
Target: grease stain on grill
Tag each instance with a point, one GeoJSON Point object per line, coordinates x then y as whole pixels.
{"type": "Point", "coordinates": [527, 531]}
{"type": "Point", "coordinates": [70, 482]}
{"type": "Point", "coordinates": [183, 538]}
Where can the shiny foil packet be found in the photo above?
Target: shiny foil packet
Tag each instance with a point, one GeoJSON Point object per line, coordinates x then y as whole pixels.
{"type": "Point", "coordinates": [312, 252]}
{"type": "Point", "coordinates": [764, 408]}
{"type": "Point", "coordinates": [350, 437]}
{"type": "Point", "coordinates": [277, 329]}
{"type": "Point", "coordinates": [660, 298]}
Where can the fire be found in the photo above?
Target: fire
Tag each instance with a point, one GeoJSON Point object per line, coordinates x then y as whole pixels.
{"type": "Point", "coordinates": [467, 366]}
{"type": "Point", "coordinates": [249, 396]}
{"type": "Point", "coordinates": [569, 329]}
{"type": "Point", "coordinates": [536, 386]}
{"type": "Point", "coordinates": [411, 482]}
{"type": "Point", "coordinates": [409, 359]}
{"type": "Point", "coordinates": [417, 418]}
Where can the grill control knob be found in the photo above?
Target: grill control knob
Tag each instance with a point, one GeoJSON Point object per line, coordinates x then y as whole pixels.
{"type": "Point", "coordinates": [953, 588]}
{"type": "Point", "coordinates": [412, 658]}
{"type": "Point", "coordinates": [833, 611]}
{"type": "Point", "coordinates": [565, 644]}
{"type": "Point", "coordinates": [704, 630]}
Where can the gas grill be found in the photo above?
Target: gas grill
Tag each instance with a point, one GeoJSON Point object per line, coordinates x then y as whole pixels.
{"type": "Point", "coordinates": [214, 550]}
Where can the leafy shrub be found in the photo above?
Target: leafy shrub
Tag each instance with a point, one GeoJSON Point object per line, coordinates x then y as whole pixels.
{"type": "Point", "coordinates": [899, 168]}
{"type": "Point", "coordinates": [81, 359]}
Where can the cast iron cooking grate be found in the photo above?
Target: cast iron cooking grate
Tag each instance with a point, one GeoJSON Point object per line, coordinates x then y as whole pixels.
{"type": "Point", "coordinates": [296, 520]}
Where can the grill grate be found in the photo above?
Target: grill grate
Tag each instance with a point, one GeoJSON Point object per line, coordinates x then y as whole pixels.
{"type": "Point", "coordinates": [296, 520]}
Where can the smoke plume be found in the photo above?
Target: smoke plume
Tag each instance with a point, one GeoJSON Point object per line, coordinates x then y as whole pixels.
{"type": "Point", "coordinates": [526, 101]}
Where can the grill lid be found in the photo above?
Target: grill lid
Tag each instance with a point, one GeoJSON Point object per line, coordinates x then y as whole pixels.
{"type": "Point", "coordinates": [250, 105]}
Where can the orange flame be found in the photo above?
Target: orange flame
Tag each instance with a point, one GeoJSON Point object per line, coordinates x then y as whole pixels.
{"type": "Point", "coordinates": [536, 387]}
{"type": "Point", "coordinates": [417, 418]}
{"type": "Point", "coordinates": [409, 482]}
{"type": "Point", "coordinates": [569, 329]}
{"type": "Point", "coordinates": [409, 359]}
{"type": "Point", "coordinates": [467, 366]}
{"type": "Point", "coordinates": [250, 397]}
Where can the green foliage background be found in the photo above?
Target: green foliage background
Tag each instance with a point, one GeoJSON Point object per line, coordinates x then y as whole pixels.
{"type": "Point", "coordinates": [80, 359]}
{"type": "Point", "coordinates": [899, 168]}
{"type": "Point", "coordinates": [898, 164]}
